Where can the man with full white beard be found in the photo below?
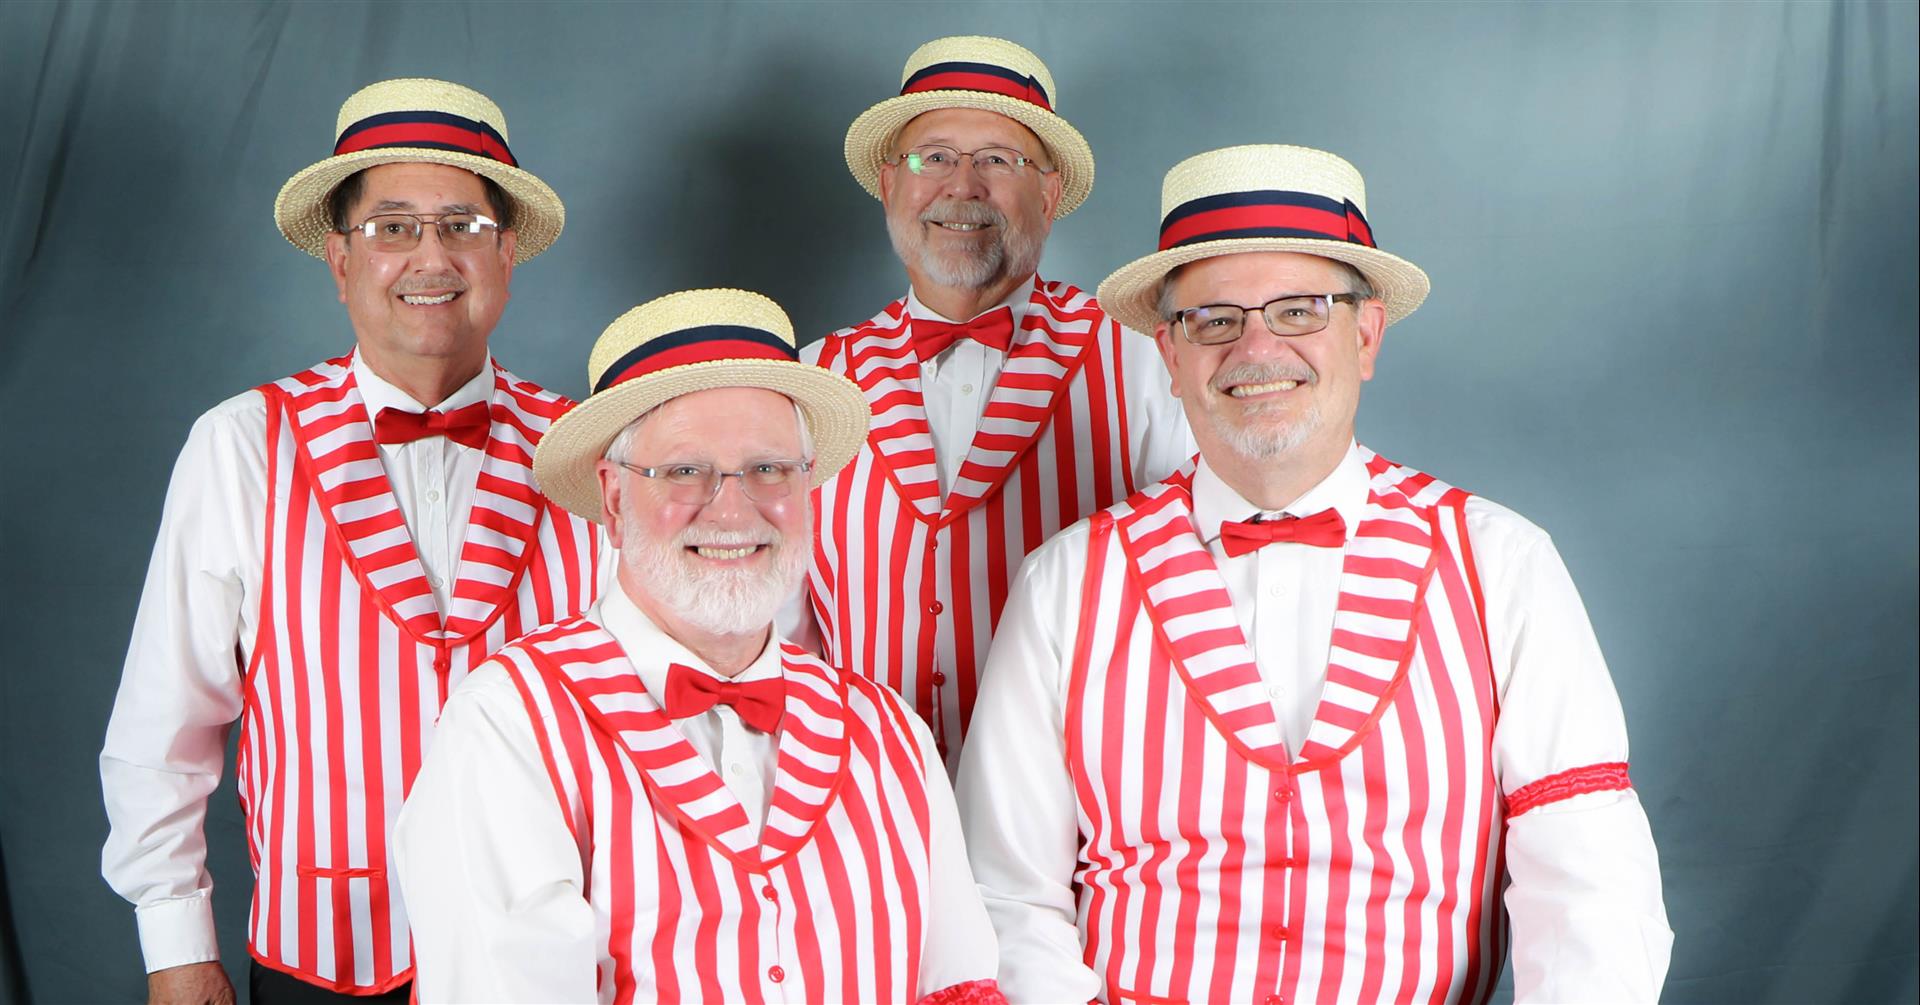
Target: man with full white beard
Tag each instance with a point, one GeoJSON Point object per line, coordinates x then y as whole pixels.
{"type": "Point", "coordinates": [660, 800]}
{"type": "Point", "coordinates": [1299, 723]}
{"type": "Point", "coordinates": [1006, 406]}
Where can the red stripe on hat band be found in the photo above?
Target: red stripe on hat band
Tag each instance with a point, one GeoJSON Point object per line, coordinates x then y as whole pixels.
{"type": "Point", "coordinates": [709, 351]}
{"type": "Point", "coordinates": [425, 134]}
{"type": "Point", "coordinates": [1310, 221]}
{"type": "Point", "coordinates": [961, 80]}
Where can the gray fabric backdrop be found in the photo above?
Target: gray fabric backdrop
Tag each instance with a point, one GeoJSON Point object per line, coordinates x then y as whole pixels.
{"type": "Point", "coordinates": [1673, 321]}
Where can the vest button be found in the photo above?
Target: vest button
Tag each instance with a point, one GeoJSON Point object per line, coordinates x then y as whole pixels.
{"type": "Point", "coordinates": [775, 974]}
{"type": "Point", "coordinates": [771, 894]}
{"type": "Point", "coordinates": [1282, 795]}
{"type": "Point", "coordinates": [1276, 1000]}
{"type": "Point", "coordinates": [939, 679]}
{"type": "Point", "coordinates": [936, 607]}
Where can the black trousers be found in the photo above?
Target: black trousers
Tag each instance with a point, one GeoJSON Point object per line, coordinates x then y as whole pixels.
{"type": "Point", "coordinates": [271, 987]}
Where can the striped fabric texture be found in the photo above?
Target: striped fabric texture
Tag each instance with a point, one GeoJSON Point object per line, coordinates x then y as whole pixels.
{"type": "Point", "coordinates": [906, 586]}
{"type": "Point", "coordinates": [352, 661]}
{"type": "Point", "coordinates": [1216, 865]}
{"type": "Point", "coordinates": [829, 905]}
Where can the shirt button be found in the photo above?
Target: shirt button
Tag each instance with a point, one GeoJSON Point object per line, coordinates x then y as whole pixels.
{"type": "Point", "coordinates": [736, 770]}
{"type": "Point", "coordinates": [1276, 691]}
{"type": "Point", "coordinates": [936, 607]}
{"type": "Point", "coordinates": [929, 369]}
{"type": "Point", "coordinates": [966, 389]}
{"type": "Point", "coordinates": [433, 581]}
{"type": "Point", "coordinates": [1275, 590]}
{"type": "Point", "coordinates": [776, 974]}
{"type": "Point", "coordinates": [939, 678]}
{"type": "Point", "coordinates": [433, 495]}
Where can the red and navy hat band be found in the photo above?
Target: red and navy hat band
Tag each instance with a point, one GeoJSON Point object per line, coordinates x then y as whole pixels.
{"type": "Point", "coordinates": [978, 77]}
{"type": "Point", "coordinates": [1264, 214]}
{"type": "Point", "coordinates": [705, 344]}
{"type": "Point", "coordinates": [431, 130]}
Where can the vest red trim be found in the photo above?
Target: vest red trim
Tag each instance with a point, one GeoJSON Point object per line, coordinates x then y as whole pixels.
{"type": "Point", "coordinates": [1215, 865]}
{"type": "Point", "coordinates": [351, 661]}
{"type": "Point", "coordinates": [907, 587]}
{"type": "Point", "coordinates": [687, 904]}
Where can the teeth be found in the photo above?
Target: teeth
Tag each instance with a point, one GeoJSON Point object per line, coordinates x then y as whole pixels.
{"type": "Point", "coordinates": [723, 554]}
{"type": "Point", "coordinates": [423, 301]}
{"type": "Point", "coordinates": [1244, 390]}
{"type": "Point", "coordinates": [964, 226]}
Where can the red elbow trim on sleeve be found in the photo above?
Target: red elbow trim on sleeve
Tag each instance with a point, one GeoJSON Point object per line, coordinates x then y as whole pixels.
{"type": "Point", "coordinates": [984, 992]}
{"type": "Point", "coordinates": [1609, 777]}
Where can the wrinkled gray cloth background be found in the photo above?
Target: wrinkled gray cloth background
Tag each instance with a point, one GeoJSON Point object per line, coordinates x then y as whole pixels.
{"type": "Point", "coordinates": [1673, 321]}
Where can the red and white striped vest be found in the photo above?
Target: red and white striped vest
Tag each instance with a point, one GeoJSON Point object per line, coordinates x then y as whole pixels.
{"type": "Point", "coordinates": [829, 905]}
{"type": "Point", "coordinates": [1215, 865]}
{"type": "Point", "coordinates": [351, 662]}
{"type": "Point", "coordinates": [907, 587]}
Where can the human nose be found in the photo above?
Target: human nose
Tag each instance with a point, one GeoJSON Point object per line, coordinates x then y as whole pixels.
{"type": "Point", "coordinates": [430, 251]}
{"type": "Point", "coordinates": [730, 496]}
{"type": "Point", "coordinates": [965, 179]}
{"type": "Point", "coordinates": [1259, 341]}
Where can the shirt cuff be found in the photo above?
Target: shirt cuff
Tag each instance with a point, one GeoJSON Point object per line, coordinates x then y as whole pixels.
{"type": "Point", "coordinates": [178, 931]}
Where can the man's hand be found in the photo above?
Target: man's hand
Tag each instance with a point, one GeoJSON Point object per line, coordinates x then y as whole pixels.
{"type": "Point", "coordinates": [192, 984]}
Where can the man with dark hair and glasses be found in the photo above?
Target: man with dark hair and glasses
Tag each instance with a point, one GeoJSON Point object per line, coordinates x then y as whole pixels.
{"type": "Point", "coordinates": [338, 549]}
{"type": "Point", "coordinates": [1006, 406]}
{"type": "Point", "coordinates": [1299, 723]}
{"type": "Point", "coordinates": [660, 800]}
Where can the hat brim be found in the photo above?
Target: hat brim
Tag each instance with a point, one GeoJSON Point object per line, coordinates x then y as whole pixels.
{"type": "Point", "coordinates": [873, 132]}
{"type": "Point", "coordinates": [563, 462]}
{"type": "Point", "coordinates": [301, 208]}
{"type": "Point", "coordinates": [1129, 294]}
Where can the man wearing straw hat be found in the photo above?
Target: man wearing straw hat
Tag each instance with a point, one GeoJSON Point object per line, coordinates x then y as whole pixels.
{"type": "Point", "coordinates": [659, 799]}
{"type": "Point", "coordinates": [1006, 406]}
{"type": "Point", "coordinates": [337, 550]}
{"type": "Point", "coordinates": [1288, 725]}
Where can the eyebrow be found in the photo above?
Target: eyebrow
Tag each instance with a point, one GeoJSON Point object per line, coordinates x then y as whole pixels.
{"type": "Point", "coordinates": [399, 205]}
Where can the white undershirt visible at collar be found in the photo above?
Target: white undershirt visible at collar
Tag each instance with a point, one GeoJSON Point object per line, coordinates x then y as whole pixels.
{"type": "Point", "coordinates": [432, 478]}
{"type": "Point", "coordinates": [743, 757]}
{"type": "Point", "coordinates": [1285, 595]}
{"type": "Point", "coordinates": [955, 385]}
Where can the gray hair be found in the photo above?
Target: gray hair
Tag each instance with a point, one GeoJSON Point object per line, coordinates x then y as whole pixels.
{"type": "Point", "coordinates": [1357, 284]}
{"type": "Point", "coordinates": [619, 449]}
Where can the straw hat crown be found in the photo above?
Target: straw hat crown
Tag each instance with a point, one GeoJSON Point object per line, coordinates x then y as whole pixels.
{"type": "Point", "coordinates": [418, 119]}
{"type": "Point", "coordinates": [694, 340]}
{"type": "Point", "coordinates": [1265, 197]}
{"type": "Point", "coordinates": [974, 71]}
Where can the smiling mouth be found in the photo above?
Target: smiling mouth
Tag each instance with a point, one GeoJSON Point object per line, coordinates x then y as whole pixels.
{"type": "Point", "coordinates": [960, 228]}
{"type": "Point", "coordinates": [719, 554]}
{"type": "Point", "coordinates": [428, 299]}
{"type": "Point", "coordinates": [1249, 390]}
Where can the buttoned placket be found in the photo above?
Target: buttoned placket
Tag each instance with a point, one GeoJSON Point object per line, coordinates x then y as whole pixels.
{"type": "Point", "coordinates": [430, 476]}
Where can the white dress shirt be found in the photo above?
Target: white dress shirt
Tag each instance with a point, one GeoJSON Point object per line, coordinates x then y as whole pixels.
{"type": "Point", "coordinates": [955, 384]}
{"type": "Point", "coordinates": [492, 875]}
{"type": "Point", "coordinates": [1585, 904]}
{"type": "Point", "coordinates": [194, 632]}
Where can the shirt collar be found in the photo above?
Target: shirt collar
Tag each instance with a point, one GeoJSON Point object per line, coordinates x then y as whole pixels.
{"type": "Point", "coordinates": [651, 650]}
{"type": "Point", "coordinates": [1344, 490]}
{"type": "Point", "coordinates": [1020, 299]}
{"type": "Point", "coordinates": [377, 393]}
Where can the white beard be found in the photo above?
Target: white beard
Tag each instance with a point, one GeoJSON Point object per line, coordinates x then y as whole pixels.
{"type": "Point", "coordinates": [1261, 441]}
{"type": "Point", "coordinates": [716, 600]}
{"type": "Point", "coordinates": [1014, 252]}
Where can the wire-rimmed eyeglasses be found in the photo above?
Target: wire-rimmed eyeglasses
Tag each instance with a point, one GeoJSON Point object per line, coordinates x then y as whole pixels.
{"type": "Point", "coordinates": [697, 484]}
{"type": "Point", "coordinates": [401, 231]}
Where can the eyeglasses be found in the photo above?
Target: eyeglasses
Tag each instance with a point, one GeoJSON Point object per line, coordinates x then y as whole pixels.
{"type": "Point", "coordinates": [932, 160]}
{"type": "Point", "coordinates": [698, 484]}
{"type": "Point", "coordinates": [1301, 314]}
{"type": "Point", "coordinates": [401, 231]}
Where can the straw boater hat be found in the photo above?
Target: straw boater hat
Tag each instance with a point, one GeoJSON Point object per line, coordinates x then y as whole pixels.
{"type": "Point", "coordinates": [1261, 198]}
{"type": "Point", "coordinates": [973, 71]}
{"type": "Point", "coordinates": [416, 119]}
{"type": "Point", "coordinates": [684, 342]}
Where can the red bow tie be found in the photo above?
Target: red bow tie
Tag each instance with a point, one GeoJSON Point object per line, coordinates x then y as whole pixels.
{"type": "Point", "coordinates": [1324, 529]}
{"type": "Point", "coordinates": [759, 703]}
{"type": "Point", "coordinates": [993, 329]}
{"type": "Point", "coordinates": [466, 426]}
